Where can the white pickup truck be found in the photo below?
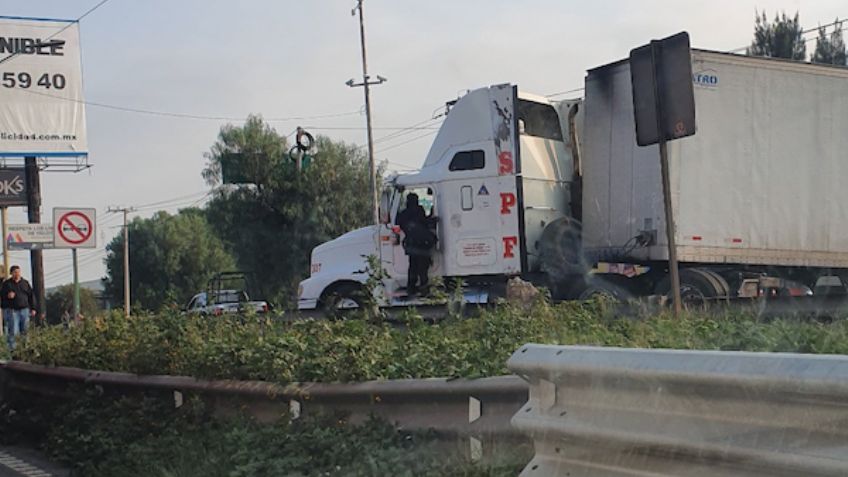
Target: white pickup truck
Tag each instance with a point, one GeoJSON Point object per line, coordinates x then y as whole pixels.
{"type": "Point", "coordinates": [224, 302]}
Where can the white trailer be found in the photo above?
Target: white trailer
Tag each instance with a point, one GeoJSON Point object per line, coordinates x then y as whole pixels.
{"type": "Point", "coordinates": [762, 182]}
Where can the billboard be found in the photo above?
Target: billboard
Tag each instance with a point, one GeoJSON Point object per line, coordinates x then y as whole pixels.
{"type": "Point", "coordinates": [41, 103]}
{"type": "Point", "coordinates": [29, 236]}
{"type": "Point", "coordinates": [13, 188]}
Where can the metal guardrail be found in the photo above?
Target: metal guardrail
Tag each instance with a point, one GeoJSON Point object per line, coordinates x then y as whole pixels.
{"type": "Point", "coordinates": [477, 409]}
{"type": "Point", "coordinates": [636, 412]}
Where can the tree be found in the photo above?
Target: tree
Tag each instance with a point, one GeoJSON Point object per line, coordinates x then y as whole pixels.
{"type": "Point", "coordinates": [272, 224]}
{"type": "Point", "coordinates": [171, 258]}
{"type": "Point", "coordinates": [830, 49]}
{"type": "Point", "coordinates": [782, 38]}
{"type": "Point", "coordinates": [62, 299]}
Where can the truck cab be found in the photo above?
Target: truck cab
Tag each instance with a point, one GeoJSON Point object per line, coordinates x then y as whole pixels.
{"type": "Point", "coordinates": [498, 173]}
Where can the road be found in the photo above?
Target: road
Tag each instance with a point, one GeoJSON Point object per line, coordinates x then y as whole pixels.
{"type": "Point", "coordinates": [21, 462]}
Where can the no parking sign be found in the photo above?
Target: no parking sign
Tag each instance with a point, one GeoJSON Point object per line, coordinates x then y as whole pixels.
{"type": "Point", "coordinates": [74, 228]}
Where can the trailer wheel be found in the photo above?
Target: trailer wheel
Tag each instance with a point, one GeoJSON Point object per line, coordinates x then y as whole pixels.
{"type": "Point", "coordinates": [697, 288]}
{"type": "Point", "coordinates": [719, 283]}
{"type": "Point", "coordinates": [342, 297]}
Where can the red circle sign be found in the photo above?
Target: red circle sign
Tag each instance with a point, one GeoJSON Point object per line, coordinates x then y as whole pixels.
{"type": "Point", "coordinates": [75, 228]}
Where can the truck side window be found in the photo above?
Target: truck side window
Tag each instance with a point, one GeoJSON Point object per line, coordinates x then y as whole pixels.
{"type": "Point", "coordinates": [540, 120]}
{"type": "Point", "coordinates": [468, 161]}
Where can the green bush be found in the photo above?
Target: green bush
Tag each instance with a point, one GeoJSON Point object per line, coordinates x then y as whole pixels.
{"type": "Point", "coordinates": [100, 435]}
{"type": "Point", "coordinates": [234, 347]}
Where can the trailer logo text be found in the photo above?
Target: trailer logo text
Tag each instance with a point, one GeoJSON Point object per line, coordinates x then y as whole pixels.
{"type": "Point", "coordinates": [706, 78]}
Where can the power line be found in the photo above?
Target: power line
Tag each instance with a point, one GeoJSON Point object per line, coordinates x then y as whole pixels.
{"type": "Point", "coordinates": [359, 128]}
{"type": "Point", "coordinates": [393, 146]}
{"type": "Point", "coordinates": [575, 90]}
{"type": "Point", "coordinates": [175, 199]}
{"type": "Point", "coordinates": [803, 32]}
{"type": "Point", "coordinates": [89, 11]}
{"type": "Point", "coordinates": [172, 114]}
{"type": "Point", "coordinates": [405, 131]}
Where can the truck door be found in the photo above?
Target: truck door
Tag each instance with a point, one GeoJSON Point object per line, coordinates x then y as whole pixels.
{"type": "Point", "coordinates": [394, 259]}
{"type": "Point", "coordinates": [470, 209]}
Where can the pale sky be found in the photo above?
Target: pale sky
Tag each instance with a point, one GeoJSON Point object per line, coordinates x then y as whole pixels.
{"type": "Point", "coordinates": [284, 59]}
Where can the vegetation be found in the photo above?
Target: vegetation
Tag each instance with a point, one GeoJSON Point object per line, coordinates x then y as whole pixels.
{"type": "Point", "coordinates": [252, 348]}
{"type": "Point", "coordinates": [62, 299]}
{"type": "Point", "coordinates": [101, 435]}
{"type": "Point", "coordinates": [272, 222]}
{"type": "Point", "coordinates": [830, 48]}
{"type": "Point", "coordinates": [780, 38]}
{"type": "Point", "coordinates": [172, 257]}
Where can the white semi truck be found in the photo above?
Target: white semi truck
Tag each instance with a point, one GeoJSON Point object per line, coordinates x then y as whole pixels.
{"type": "Point", "coordinates": [559, 193]}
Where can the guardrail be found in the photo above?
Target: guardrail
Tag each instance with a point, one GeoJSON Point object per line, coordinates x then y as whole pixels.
{"type": "Point", "coordinates": [636, 412]}
{"type": "Point", "coordinates": [477, 409]}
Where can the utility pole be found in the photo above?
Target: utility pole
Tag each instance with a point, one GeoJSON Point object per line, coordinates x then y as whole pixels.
{"type": "Point", "coordinates": [4, 213]}
{"type": "Point", "coordinates": [367, 83]}
{"type": "Point", "coordinates": [126, 211]}
{"type": "Point", "coordinates": [36, 257]}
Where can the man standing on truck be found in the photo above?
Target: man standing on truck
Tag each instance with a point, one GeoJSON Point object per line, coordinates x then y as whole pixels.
{"type": "Point", "coordinates": [418, 242]}
{"type": "Point", "coordinates": [18, 303]}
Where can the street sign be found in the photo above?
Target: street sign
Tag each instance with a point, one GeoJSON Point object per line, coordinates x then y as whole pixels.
{"type": "Point", "coordinates": [74, 228]}
{"type": "Point", "coordinates": [663, 95]}
{"type": "Point", "coordinates": [664, 110]}
{"type": "Point", "coordinates": [29, 236]}
{"type": "Point", "coordinates": [12, 187]}
{"type": "Point", "coordinates": [42, 109]}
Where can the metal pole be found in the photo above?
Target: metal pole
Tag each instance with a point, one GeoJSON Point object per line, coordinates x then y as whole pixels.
{"type": "Point", "coordinates": [372, 168]}
{"type": "Point", "coordinates": [126, 265]}
{"type": "Point", "coordinates": [76, 285]}
{"type": "Point", "coordinates": [4, 212]}
{"type": "Point", "coordinates": [666, 185]}
{"type": "Point", "coordinates": [4, 215]}
{"type": "Point", "coordinates": [34, 216]}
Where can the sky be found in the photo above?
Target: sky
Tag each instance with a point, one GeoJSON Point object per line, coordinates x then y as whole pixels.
{"type": "Point", "coordinates": [284, 59]}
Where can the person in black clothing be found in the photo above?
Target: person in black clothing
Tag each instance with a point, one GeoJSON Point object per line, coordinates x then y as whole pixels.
{"type": "Point", "coordinates": [18, 303]}
{"type": "Point", "coordinates": [418, 242]}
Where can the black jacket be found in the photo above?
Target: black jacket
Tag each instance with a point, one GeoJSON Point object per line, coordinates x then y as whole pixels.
{"type": "Point", "coordinates": [419, 239]}
{"type": "Point", "coordinates": [24, 298]}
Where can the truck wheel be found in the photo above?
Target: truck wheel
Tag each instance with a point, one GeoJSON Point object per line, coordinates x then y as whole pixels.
{"type": "Point", "coordinates": [696, 288]}
{"type": "Point", "coordinates": [606, 288]}
{"type": "Point", "coordinates": [342, 297]}
{"type": "Point", "coordinates": [718, 281]}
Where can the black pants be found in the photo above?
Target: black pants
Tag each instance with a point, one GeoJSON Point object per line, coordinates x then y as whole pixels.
{"type": "Point", "coordinates": [419, 265]}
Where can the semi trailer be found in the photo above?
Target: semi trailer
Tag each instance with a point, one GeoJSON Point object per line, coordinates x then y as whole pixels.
{"type": "Point", "coordinates": [559, 194]}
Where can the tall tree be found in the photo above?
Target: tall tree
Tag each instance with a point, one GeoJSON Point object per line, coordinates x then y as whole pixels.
{"type": "Point", "coordinates": [272, 224]}
{"type": "Point", "coordinates": [830, 49]}
{"type": "Point", "coordinates": [171, 258]}
{"type": "Point", "coordinates": [781, 38]}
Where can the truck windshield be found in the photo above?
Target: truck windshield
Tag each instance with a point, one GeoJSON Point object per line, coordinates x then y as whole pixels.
{"type": "Point", "coordinates": [539, 120]}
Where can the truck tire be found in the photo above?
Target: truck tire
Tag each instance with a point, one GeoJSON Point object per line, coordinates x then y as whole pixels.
{"type": "Point", "coordinates": [561, 257]}
{"type": "Point", "coordinates": [697, 287]}
{"type": "Point", "coordinates": [604, 287]}
{"type": "Point", "coordinates": [342, 296]}
{"type": "Point", "coordinates": [719, 283]}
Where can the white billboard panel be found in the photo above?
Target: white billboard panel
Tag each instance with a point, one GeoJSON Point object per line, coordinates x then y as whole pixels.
{"type": "Point", "coordinates": [41, 102]}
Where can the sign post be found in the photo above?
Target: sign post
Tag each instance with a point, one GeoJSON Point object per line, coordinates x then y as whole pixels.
{"type": "Point", "coordinates": [74, 229]}
{"type": "Point", "coordinates": [664, 109]}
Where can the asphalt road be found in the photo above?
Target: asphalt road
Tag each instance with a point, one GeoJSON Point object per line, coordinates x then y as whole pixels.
{"type": "Point", "coordinates": [21, 462]}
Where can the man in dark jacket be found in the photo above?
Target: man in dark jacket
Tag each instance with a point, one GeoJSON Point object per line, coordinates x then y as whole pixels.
{"type": "Point", "coordinates": [18, 303]}
{"type": "Point", "coordinates": [418, 243]}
